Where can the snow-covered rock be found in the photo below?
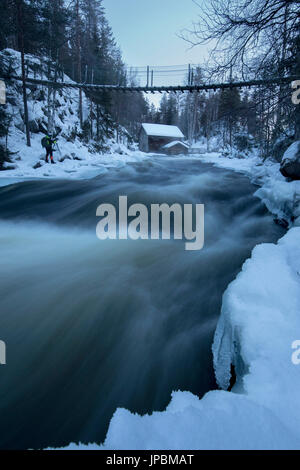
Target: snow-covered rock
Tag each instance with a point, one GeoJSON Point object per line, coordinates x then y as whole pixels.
{"type": "Point", "coordinates": [290, 165]}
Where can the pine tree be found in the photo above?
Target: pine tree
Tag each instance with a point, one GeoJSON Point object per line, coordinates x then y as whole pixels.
{"type": "Point", "coordinates": [229, 113]}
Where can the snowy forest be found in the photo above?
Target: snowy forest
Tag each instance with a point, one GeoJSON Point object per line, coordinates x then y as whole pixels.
{"type": "Point", "coordinates": [150, 234]}
{"type": "Point", "coordinates": [254, 41]}
{"type": "Point", "coordinates": [72, 38]}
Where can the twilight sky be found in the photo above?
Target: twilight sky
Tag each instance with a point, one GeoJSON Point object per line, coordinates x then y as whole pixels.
{"type": "Point", "coordinates": [146, 30]}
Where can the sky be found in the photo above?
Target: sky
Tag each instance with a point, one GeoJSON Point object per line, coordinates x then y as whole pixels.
{"type": "Point", "coordinates": [147, 34]}
{"type": "Point", "coordinates": [146, 31]}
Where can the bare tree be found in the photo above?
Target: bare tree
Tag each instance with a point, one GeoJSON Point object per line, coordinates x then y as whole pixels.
{"type": "Point", "coordinates": [242, 29]}
{"type": "Point", "coordinates": [252, 38]}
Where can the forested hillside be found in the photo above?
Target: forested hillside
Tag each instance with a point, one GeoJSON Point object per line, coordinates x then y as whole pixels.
{"type": "Point", "coordinates": [73, 39]}
{"type": "Point", "coordinates": [254, 40]}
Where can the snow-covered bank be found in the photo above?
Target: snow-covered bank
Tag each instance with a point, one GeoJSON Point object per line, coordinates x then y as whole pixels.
{"type": "Point", "coordinates": [78, 155]}
{"type": "Point", "coordinates": [78, 162]}
{"type": "Point", "coordinates": [281, 197]}
{"type": "Point", "coordinates": [259, 322]}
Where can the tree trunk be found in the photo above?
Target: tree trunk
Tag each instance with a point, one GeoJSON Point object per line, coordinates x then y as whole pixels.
{"type": "Point", "coordinates": [281, 68]}
{"type": "Point", "coordinates": [21, 49]}
{"type": "Point", "coordinates": [79, 73]}
{"type": "Point", "coordinates": [52, 108]}
{"type": "Point", "coordinates": [98, 118]}
{"type": "Point", "coordinates": [91, 119]}
{"type": "Point", "coordinates": [194, 115]}
{"type": "Point", "coordinates": [49, 130]}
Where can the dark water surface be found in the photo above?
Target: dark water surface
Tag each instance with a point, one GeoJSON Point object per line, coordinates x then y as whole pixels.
{"type": "Point", "coordinates": [91, 326]}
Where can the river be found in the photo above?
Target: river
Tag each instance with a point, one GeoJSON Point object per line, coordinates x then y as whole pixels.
{"type": "Point", "coordinates": [93, 325]}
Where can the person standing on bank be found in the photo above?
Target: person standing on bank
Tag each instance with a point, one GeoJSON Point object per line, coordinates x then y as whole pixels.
{"type": "Point", "coordinates": [47, 142]}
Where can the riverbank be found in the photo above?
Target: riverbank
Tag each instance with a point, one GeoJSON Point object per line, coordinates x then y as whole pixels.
{"type": "Point", "coordinates": [282, 198]}
{"type": "Point", "coordinates": [73, 160]}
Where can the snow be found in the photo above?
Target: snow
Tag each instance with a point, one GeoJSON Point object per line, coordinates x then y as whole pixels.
{"type": "Point", "coordinates": [204, 146]}
{"type": "Point", "coordinates": [175, 142]}
{"type": "Point", "coordinates": [88, 164]}
{"type": "Point", "coordinates": [293, 152]}
{"type": "Point", "coordinates": [259, 322]}
{"type": "Point", "coordinates": [282, 198]}
{"type": "Point", "coordinates": [162, 130]}
{"type": "Point", "coordinates": [79, 159]}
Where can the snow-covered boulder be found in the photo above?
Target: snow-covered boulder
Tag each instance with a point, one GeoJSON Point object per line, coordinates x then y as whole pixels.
{"type": "Point", "coordinates": [290, 165]}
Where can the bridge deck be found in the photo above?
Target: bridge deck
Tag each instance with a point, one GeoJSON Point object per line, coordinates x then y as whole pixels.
{"type": "Point", "coordinates": [154, 89]}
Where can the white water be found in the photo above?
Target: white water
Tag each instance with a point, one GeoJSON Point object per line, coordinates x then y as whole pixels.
{"type": "Point", "coordinates": [91, 326]}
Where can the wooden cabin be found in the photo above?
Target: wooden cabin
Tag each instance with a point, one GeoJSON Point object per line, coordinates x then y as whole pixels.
{"type": "Point", "coordinates": [176, 148]}
{"type": "Point", "coordinates": [154, 137]}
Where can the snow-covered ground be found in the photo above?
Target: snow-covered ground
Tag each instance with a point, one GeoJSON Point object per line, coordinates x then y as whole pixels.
{"type": "Point", "coordinates": [78, 162]}
{"type": "Point", "coordinates": [75, 158]}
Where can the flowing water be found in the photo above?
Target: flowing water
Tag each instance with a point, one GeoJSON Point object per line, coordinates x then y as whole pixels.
{"type": "Point", "coordinates": [94, 325]}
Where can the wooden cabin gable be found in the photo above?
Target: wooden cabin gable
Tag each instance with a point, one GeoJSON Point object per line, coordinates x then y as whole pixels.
{"type": "Point", "coordinates": [153, 137]}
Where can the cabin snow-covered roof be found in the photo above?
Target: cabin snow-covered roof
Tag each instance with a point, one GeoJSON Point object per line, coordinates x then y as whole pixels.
{"type": "Point", "coordinates": [162, 130]}
{"type": "Point", "coordinates": [175, 142]}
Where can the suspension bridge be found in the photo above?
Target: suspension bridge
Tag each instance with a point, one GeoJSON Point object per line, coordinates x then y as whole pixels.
{"type": "Point", "coordinates": [155, 89]}
{"type": "Point", "coordinates": [166, 74]}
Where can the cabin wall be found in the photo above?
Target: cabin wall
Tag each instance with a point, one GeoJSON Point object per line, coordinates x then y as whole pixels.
{"type": "Point", "coordinates": [154, 143]}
